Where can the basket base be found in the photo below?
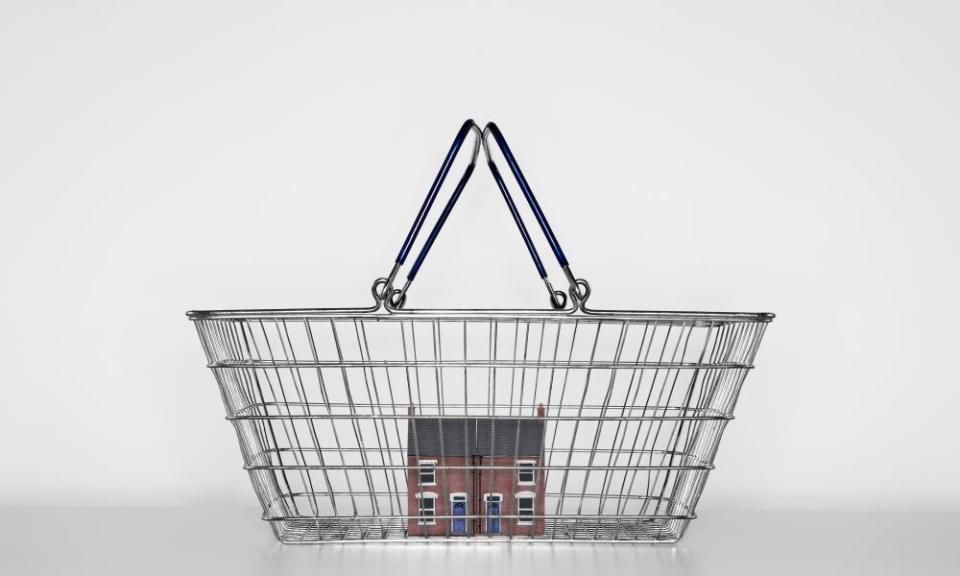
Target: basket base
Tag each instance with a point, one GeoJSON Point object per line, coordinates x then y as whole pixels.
{"type": "Point", "coordinates": [310, 531]}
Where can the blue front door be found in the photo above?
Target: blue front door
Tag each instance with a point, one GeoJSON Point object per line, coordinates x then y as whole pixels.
{"type": "Point", "coordinates": [493, 516]}
{"type": "Point", "coordinates": [460, 509]}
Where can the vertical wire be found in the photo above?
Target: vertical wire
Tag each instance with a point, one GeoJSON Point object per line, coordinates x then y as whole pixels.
{"type": "Point", "coordinates": [686, 408]}
{"type": "Point", "coordinates": [735, 332]}
{"type": "Point", "coordinates": [642, 423]}
{"type": "Point", "coordinates": [378, 424]}
{"type": "Point", "coordinates": [229, 346]}
{"type": "Point", "coordinates": [326, 401]}
{"type": "Point", "coordinates": [269, 425]}
{"type": "Point", "coordinates": [357, 432]}
{"type": "Point", "coordinates": [718, 373]}
{"type": "Point", "coordinates": [676, 426]}
{"type": "Point", "coordinates": [523, 367]}
{"type": "Point", "coordinates": [654, 476]}
{"type": "Point", "coordinates": [560, 407]}
{"type": "Point", "coordinates": [367, 359]}
{"type": "Point", "coordinates": [624, 423]}
{"type": "Point", "coordinates": [298, 455]}
{"type": "Point", "coordinates": [540, 482]}
{"type": "Point", "coordinates": [491, 408]}
{"type": "Point", "coordinates": [624, 327]}
{"type": "Point", "coordinates": [399, 449]}
{"type": "Point", "coordinates": [416, 367]}
{"type": "Point", "coordinates": [697, 434]}
{"type": "Point", "coordinates": [711, 385]}
{"type": "Point", "coordinates": [437, 366]}
{"type": "Point", "coordinates": [516, 447]}
{"type": "Point", "coordinates": [467, 456]}
{"type": "Point", "coordinates": [756, 343]}
{"type": "Point", "coordinates": [232, 346]}
{"type": "Point", "coordinates": [650, 424]}
{"type": "Point", "coordinates": [576, 426]}
{"type": "Point", "coordinates": [438, 369]}
{"type": "Point", "coordinates": [273, 436]}
{"type": "Point", "coordinates": [537, 473]}
{"type": "Point", "coordinates": [723, 374]}
{"type": "Point", "coordinates": [743, 347]}
{"type": "Point", "coordinates": [543, 435]}
{"type": "Point", "coordinates": [295, 377]}
{"type": "Point", "coordinates": [536, 373]}
{"type": "Point", "coordinates": [412, 427]}
{"type": "Point", "coordinates": [227, 337]}
{"type": "Point", "coordinates": [228, 340]}
{"type": "Point", "coordinates": [301, 392]}
{"type": "Point", "coordinates": [491, 368]}
{"type": "Point", "coordinates": [513, 367]}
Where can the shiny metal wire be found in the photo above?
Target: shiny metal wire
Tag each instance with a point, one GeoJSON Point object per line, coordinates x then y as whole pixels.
{"type": "Point", "coordinates": [634, 405]}
{"type": "Point", "coordinates": [629, 406]}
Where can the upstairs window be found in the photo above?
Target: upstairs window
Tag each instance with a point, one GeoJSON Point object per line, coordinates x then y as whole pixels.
{"type": "Point", "coordinates": [426, 509]}
{"type": "Point", "coordinates": [526, 475]}
{"type": "Point", "coordinates": [525, 503]}
{"type": "Point", "coordinates": [428, 472]}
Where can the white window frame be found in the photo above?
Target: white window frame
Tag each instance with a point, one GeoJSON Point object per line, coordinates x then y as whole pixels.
{"type": "Point", "coordinates": [466, 509]}
{"type": "Point", "coordinates": [532, 496]}
{"type": "Point", "coordinates": [420, 518]}
{"type": "Point", "coordinates": [421, 464]}
{"type": "Point", "coordinates": [486, 517]}
{"type": "Point", "coordinates": [497, 495]}
{"type": "Point", "coordinates": [534, 471]}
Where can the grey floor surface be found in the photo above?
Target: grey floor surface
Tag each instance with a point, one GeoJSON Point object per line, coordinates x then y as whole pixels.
{"type": "Point", "coordinates": [211, 541]}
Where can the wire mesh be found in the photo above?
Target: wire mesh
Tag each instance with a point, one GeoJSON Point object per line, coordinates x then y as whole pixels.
{"type": "Point", "coordinates": [368, 426]}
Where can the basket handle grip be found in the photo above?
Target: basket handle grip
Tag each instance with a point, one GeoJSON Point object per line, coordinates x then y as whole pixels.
{"type": "Point", "coordinates": [558, 299]}
{"type": "Point", "coordinates": [579, 288]}
{"type": "Point", "coordinates": [382, 287]}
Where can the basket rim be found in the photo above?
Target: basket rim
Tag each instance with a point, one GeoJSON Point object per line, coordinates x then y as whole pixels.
{"type": "Point", "coordinates": [378, 313]}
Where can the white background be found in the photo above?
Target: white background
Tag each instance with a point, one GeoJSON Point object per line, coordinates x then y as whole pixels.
{"type": "Point", "coordinates": [798, 158]}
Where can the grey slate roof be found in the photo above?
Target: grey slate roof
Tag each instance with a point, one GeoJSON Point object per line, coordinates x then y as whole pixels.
{"type": "Point", "coordinates": [474, 437]}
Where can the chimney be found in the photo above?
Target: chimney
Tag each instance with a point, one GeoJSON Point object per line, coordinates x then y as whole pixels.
{"type": "Point", "coordinates": [541, 411]}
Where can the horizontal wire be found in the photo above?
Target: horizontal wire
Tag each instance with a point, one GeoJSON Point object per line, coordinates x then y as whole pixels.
{"type": "Point", "coordinates": [572, 364]}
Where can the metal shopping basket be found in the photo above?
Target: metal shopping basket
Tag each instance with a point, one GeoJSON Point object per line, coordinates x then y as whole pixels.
{"type": "Point", "coordinates": [568, 423]}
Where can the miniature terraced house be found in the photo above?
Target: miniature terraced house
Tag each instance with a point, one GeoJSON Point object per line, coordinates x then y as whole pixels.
{"type": "Point", "coordinates": [481, 469]}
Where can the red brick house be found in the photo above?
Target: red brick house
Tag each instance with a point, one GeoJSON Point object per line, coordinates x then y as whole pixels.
{"type": "Point", "coordinates": [456, 468]}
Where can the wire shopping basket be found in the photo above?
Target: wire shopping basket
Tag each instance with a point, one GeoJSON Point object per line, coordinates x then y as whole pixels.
{"type": "Point", "coordinates": [568, 423]}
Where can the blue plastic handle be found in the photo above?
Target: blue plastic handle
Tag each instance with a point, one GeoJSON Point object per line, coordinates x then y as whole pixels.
{"type": "Point", "coordinates": [558, 299]}
{"type": "Point", "coordinates": [493, 130]}
{"type": "Point", "coordinates": [517, 219]}
{"type": "Point", "coordinates": [465, 130]}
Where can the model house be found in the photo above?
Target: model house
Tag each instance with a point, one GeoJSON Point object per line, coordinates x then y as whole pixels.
{"type": "Point", "coordinates": [483, 469]}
